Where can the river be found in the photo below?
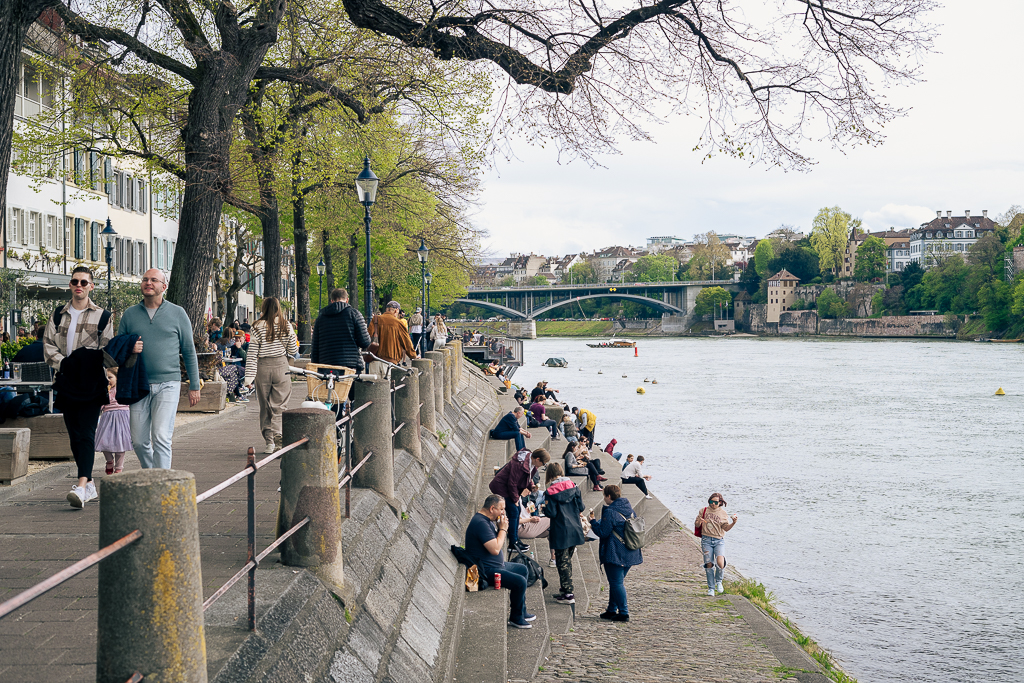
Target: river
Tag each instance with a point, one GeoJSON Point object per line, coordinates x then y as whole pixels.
{"type": "Point", "coordinates": [877, 481]}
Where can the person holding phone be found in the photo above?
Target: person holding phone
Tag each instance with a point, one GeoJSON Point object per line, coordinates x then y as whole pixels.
{"type": "Point", "coordinates": [714, 522]}
{"type": "Point", "coordinates": [615, 557]}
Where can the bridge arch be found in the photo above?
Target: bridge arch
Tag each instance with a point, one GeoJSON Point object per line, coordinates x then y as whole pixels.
{"type": "Point", "coordinates": [497, 308]}
{"type": "Point", "coordinates": [653, 303]}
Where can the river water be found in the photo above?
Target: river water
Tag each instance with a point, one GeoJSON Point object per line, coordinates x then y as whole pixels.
{"type": "Point", "coordinates": [878, 483]}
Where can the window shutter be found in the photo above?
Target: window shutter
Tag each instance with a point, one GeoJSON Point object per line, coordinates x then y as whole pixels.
{"type": "Point", "coordinates": [79, 238]}
{"type": "Point", "coordinates": [108, 177]}
{"type": "Point", "coordinates": [142, 257]}
{"type": "Point", "coordinates": [120, 188]}
{"type": "Point", "coordinates": [94, 170]}
{"type": "Point", "coordinates": [94, 241]}
{"type": "Point", "coordinates": [142, 196]}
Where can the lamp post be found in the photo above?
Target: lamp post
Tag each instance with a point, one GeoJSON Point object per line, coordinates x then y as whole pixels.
{"type": "Point", "coordinates": [366, 189]}
{"type": "Point", "coordinates": [426, 311]}
{"type": "Point", "coordinates": [421, 254]}
{"type": "Point", "coordinates": [320, 268]}
{"type": "Point", "coordinates": [108, 234]}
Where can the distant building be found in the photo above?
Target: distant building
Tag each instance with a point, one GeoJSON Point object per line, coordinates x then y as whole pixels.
{"type": "Point", "coordinates": [781, 293]}
{"type": "Point", "coordinates": [946, 235]}
{"type": "Point", "coordinates": [605, 261]}
{"type": "Point", "coordinates": [656, 244]}
{"type": "Point", "coordinates": [785, 234]}
{"type": "Point", "coordinates": [897, 256]}
{"type": "Point", "coordinates": [890, 237]}
{"type": "Point", "coordinates": [526, 267]}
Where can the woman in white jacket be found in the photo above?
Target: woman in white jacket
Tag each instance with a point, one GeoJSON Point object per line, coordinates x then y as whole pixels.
{"type": "Point", "coordinates": [439, 333]}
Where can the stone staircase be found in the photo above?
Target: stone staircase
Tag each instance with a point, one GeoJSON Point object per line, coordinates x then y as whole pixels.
{"type": "Point", "coordinates": [488, 651]}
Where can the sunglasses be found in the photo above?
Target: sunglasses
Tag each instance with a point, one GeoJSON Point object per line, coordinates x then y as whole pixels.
{"type": "Point", "coordinates": [714, 502]}
{"type": "Point", "coordinates": [79, 283]}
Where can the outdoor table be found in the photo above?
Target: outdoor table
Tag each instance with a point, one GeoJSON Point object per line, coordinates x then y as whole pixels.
{"type": "Point", "coordinates": [24, 387]}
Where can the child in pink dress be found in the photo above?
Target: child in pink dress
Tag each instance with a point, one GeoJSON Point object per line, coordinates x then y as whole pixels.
{"type": "Point", "coordinates": [113, 434]}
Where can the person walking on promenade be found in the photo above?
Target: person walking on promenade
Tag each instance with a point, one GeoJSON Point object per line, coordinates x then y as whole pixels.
{"type": "Point", "coordinates": [273, 343]}
{"type": "Point", "coordinates": [165, 332]}
{"type": "Point", "coordinates": [395, 343]}
{"type": "Point", "coordinates": [80, 323]}
{"type": "Point", "coordinates": [484, 547]}
{"type": "Point", "coordinates": [514, 480]}
{"type": "Point", "coordinates": [439, 333]}
{"type": "Point", "coordinates": [615, 557]}
{"type": "Point", "coordinates": [114, 433]}
{"type": "Point", "coordinates": [713, 523]}
{"type": "Point", "coordinates": [508, 428]}
{"type": "Point", "coordinates": [340, 334]}
{"type": "Point", "coordinates": [563, 503]}
{"type": "Point", "coordinates": [633, 473]}
{"type": "Point", "coordinates": [416, 329]}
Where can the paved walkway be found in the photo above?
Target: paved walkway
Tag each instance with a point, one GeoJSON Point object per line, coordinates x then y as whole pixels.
{"type": "Point", "coordinates": [676, 632]}
{"type": "Point", "coordinates": [53, 638]}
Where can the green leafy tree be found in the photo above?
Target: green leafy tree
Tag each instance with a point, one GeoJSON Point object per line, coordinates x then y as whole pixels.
{"type": "Point", "coordinates": [507, 281]}
{"type": "Point", "coordinates": [870, 259]}
{"type": "Point", "coordinates": [800, 261]}
{"type": "Point", "coordinates": [829, 235]}
{"type": "Point", "coordinates": [996, 299]}
{"type": "Point", "coordinates": [654, 268]}
{"type": "Point", "coordinates": [750, 280]}
{"type": "Point", "coordinates": [580, 274]}
{"type": "Point", "coordinates": [709, 299]}
{"type": "Point", "coordinates": [763, 254]}
{"type": "Point", "coordinates": [987, 252]}
{"type": "Point", "coordinates": [536, 281]}
{"type": "Point", "coordinates": [830, 305]}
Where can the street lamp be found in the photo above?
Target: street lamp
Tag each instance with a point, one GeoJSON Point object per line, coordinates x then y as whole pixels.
{"type": "Point", "coordinates": [426, 311]}
{"type": "Point", "coordinates": [108, 234]}
{"type": "Point", "coordinates": [421, 254]}
{"type": "Point", "coordinates": [320, 268]}
{"type": "Point", "coordinates": [366, 189]}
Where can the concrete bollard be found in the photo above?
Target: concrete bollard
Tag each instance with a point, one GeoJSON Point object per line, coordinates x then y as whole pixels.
{"type": "Point", "coordinates": [428, 418]}
{"type": "Point", "coordinates": [150, 593]}
{"type": "Point", "coordinates": [447, 351]}
{"type": "Point", "coordinates": [372, 432]}
{"type": "Point", "coordinates": [407, 410]}
{"type": "Point", "coordinates": [309, 488]}
{"type": "Point", "coordinates": [438, 358]}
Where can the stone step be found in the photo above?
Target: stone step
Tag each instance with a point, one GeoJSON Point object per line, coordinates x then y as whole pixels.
{"type": "Point", "coordinates": [483, 638]}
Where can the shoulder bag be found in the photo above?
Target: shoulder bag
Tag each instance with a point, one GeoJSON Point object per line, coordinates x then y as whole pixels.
{"type": "Point", "coordinates": [634, 532]}
{"type": "Point", "coordinates": [698, 529]}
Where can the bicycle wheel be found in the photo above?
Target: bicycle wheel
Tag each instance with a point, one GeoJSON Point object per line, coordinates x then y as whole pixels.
{"type": "Point", "coordinates": [326, 396]}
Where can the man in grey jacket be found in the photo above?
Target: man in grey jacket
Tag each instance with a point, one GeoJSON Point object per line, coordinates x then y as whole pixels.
{"type": "Point", "coordinates": [166, 331]}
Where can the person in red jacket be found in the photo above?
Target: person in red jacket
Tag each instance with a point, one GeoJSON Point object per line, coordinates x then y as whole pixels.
{"type": "Point", "coordinates": [513, 480]}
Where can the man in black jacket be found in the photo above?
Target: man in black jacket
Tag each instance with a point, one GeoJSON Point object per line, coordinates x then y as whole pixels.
{"type": "Point", "coordinates": [339, 334]}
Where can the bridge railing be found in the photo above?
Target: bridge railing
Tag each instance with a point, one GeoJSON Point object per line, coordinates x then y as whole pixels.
{"type": "Point", "coordinates": [597, 285]}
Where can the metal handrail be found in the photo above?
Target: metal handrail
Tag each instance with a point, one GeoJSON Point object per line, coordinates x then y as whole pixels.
{"type": "Point", "coordinates": [348, 477]}
{"type": "Point", "coordinates": [27, 596]}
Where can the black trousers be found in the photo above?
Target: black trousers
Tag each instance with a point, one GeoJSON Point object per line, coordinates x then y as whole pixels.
{"type": "Point", "coordinates": [81, 420]}
{"type": "Point", "coordinates": [640, 482]}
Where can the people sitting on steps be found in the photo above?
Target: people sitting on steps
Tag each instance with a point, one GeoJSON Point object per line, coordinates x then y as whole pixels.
{"type": "Point", "coordinates": [508, 428]}
{"type": "Point", "coordinates": [578, 463]}
{"type": "Point", "coordinates": [537, 408]}
{"type": "Point", "coordinates": [485, 535]}
{"type": "Point", "coordinates": [515, 480]}
{"type": "Point", "coordinates": [633, 473]}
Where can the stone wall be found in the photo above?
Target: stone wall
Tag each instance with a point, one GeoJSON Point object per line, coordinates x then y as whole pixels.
{"type": "Point", "coordinates": [887, 326]}
{"type": "Point", "coordinates": [798, 323]}
{"type": "Point", "coordinates": [396, 618]}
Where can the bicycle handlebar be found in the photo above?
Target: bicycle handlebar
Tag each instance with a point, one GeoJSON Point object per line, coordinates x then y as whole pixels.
{"type": "Point", "coordinates": [312, 373]}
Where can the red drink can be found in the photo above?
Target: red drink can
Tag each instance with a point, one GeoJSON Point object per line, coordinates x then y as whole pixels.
{"type": "Point", "coordinates": [497, 582]}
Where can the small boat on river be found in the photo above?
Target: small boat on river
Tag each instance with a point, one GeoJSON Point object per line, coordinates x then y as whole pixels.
{"type": "Point", "coordinates": [614, 344]}
{"type": "Point", "coordinates": [556, 363]}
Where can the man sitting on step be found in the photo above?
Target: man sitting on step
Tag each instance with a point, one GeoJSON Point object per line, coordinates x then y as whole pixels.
{"type": "Point", "coordinates": [485, 537]}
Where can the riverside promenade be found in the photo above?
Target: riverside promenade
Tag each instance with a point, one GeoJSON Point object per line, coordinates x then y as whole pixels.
{"type": "Point", "coordinates": [53, 638]}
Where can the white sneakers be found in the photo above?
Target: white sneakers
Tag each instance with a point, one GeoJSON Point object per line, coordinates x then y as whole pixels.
{"type": "Point", "coordinates": [718, 587]}
{"type": "Point", "coordinates": [270, 448]}
{"type": "Point", "coordinates": [80, 495]}
{"type": "Point", "coordinates": [711, 592]}
{"type": "Point", "coordinates": [649, 496]}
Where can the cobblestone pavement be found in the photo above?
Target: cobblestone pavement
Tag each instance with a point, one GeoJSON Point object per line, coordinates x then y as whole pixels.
{"type": "Point", "coordinates": [675, 633]}
{"type": "Point", "coordinates": [53, 638]}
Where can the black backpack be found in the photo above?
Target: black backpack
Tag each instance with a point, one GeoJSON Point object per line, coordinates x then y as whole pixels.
{"type": "Point", "coordinates": [534, 570]}
{"type": "Point", "coordinates": [104, 319]}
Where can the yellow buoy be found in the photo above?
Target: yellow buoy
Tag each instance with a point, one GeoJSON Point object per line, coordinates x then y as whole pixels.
{"type": "Point", "coordinates": [1000, 392]}
{"type": "Point", "coordinates": [640, 390]}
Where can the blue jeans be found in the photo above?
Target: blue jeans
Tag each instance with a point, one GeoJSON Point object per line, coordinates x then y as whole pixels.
{"type": "Point", "coordinates": [616, 574]}
{"type": "Point", "coordinates": [712, 548]}
{"type": "Point", "coordinates": [152, 425]}
{"type": "Point", "coordinates": [512, 511]}
{"type": "Point", "coordinates": [513, 577]}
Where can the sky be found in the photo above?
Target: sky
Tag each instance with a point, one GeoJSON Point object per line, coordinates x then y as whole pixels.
{"type": "Point", "coordinates": [960, 148]}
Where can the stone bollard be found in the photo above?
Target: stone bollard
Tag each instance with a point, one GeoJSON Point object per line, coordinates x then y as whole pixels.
{"type": "Point", "coordinates": [456, 345]}
{"type": "Point", "coordinates": [447, 351]}
{"type": "Point", "coordinates": [438, 358]}
{"type": "Point", "coordinates": [428, 418]}
{"type": "Point", "coordinates": [309, 488]}
{"type": "Point", "coordinates": [371, 431]}
{"type": "Point", "coordinates": [150, 593]}
{"type": "Point", "coordinates": [407, 410]}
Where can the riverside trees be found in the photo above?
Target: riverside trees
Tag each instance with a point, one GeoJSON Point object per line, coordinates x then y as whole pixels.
{"type": "Point", "coordinates": [589, 70]}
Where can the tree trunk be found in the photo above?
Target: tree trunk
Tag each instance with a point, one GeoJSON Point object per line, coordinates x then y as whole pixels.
{"type": "Point", "coordinates": [328, 256]}
{"type": "Point", "coordinates": [15, 21]}
{"type": "Point", "coordinates": [301, 260]}
{"type": "Point", "coordinates": [353, 270]}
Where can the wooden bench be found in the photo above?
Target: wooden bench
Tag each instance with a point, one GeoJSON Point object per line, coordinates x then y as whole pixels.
{"type": "Point", "coordinates": [49, 436]}
{"type": "Point", "coordinates": [14, 451]}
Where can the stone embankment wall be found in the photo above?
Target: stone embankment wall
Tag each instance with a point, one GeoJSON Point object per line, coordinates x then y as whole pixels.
{"type": "Point", "coordinates": [806, 323]}
{"type": "Point", "coordinates": [396, 618]}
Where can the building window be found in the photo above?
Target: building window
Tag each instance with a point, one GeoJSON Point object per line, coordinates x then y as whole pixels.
{"type": "Point", "coordinates": [94, 241]}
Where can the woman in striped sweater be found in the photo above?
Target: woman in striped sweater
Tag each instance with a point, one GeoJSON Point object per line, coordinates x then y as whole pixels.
{"type": "Point", "coordinates": [272, 342]}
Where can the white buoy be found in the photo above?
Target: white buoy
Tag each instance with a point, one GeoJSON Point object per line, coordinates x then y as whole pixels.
{"type": "Point", "coordinates": [600, 372]}
{"type": "Point", "coordinates": [646, 380]}
{"type": "Point", "coordinates": [624, 375]}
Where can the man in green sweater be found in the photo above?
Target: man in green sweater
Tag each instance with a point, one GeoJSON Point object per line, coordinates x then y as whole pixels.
{"type": "Point", "coordinates": [166, 331]}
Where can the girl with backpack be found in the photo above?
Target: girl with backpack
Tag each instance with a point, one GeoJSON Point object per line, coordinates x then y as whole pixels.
{"type": "Point", "coordinates": [563, 504]}
{"type": "Point", "coordinates": [713, 522]}
{"type": "Point", "coordinates": [615, 557]}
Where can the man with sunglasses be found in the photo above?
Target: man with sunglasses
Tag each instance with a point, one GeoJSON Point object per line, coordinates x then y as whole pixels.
{"type": "Point", "coordinates": [80, 323]}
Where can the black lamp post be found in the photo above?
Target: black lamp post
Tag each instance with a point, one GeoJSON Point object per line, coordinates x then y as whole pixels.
{"type": "Point", "coordinates": [421, 253]}
{"type": "Point", "coordinates": [426, 311]}
{"type": "Point", "coordinates": [320, 268]}
{"type": "Point", "coordinates": [366, 189]}
{"type": "Point", "coordinates": [108, 234]}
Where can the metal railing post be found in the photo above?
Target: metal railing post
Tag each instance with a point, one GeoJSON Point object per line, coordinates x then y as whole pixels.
{"type": "Point", "coordinates": [151, 594]}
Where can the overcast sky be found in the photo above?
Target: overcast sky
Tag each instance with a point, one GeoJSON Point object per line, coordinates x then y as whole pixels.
{"type": "Point", "coordinates": [961, 147]}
